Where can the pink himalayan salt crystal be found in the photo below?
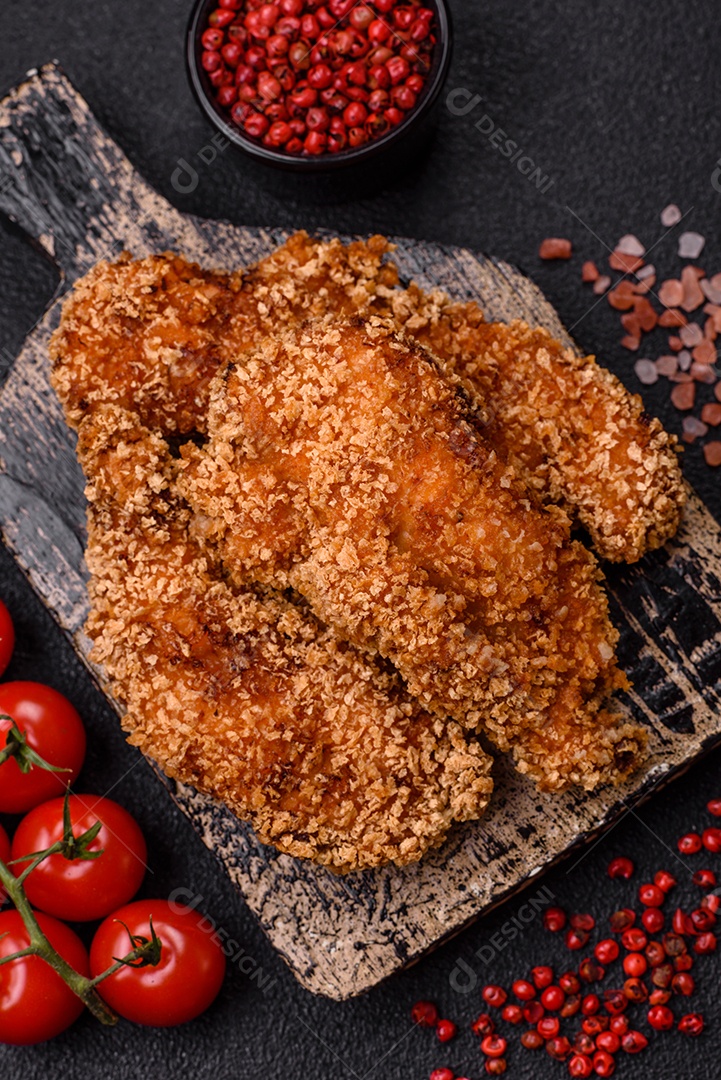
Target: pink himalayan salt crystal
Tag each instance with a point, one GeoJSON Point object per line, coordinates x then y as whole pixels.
{"type": "Point", "coordinates": [646, 272]}
{"type": "Point", "coordinates": [670, 215]}
{"type": "Point", "coordinates": [703, 373]}
{"type": "Point", "coordinates": [601, 285]}
{"type": "Point", "coordinates": [711, 414]}
{"type": "Point", "coordinates": [690, 245]}
{"type": "Point", "coordinates": [694, 427]}
{"type": "Point", "coordinates": [684, 360]}
{"type": "Point", "coordinates": [683, 396]}
{"type": "Point", "coordinates": [646, 372]}
{"type": "Point", "coordinates": [555, 247]}
{"type": "Point", "coordinates": [691, 335]}
{"type": "Point", "coordinates": [671, 293]}
{"type": "Point", "coordinates": [712, 453]}
{"type": "Point", "coordinates": [667, 365]}
{"type": "Point", "coordinates": [630, 245]}
{"type": "Point", "coordinates": [711, 288]}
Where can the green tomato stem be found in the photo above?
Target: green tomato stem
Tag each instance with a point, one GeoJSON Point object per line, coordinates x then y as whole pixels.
{"type": "Point", "coordinates": [16, 746]}
{"type": "Point", "coordinates": [10, 750]}
{"type": "Point", "coordinates": [40, 946]}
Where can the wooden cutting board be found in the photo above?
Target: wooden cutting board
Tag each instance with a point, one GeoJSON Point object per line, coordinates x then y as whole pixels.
{"type": "Point", "coordinates": [77, 195]}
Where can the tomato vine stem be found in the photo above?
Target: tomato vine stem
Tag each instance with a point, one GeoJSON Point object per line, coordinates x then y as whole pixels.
{"type": "Point", "coordinates": [143, 952]}
{"type": "Point", "coordinates": [81, 986]}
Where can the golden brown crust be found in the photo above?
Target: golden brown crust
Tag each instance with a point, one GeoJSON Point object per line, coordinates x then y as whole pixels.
{"type": "Point", "coordinates": [247, 697]}
{"type": "Point", "coordinates": [569, 426]}
{"type": "Point", "coordinates": [150, 335]}
{"type": "Point", "coordinates": [341, 463]}
{"type": "Point", "coordinates": [578, 437]}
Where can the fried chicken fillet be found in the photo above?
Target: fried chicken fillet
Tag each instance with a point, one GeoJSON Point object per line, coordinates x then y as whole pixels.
{"type": "Point", "coordinates": [567, 425]}
{"type": "Point", "coordinates": [246, 696]}
{"type": "Point", "coordinates": [343, 464]}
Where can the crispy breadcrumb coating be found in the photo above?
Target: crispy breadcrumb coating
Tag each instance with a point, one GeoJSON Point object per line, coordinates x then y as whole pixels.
{"type": "Point", "coordinates": [150, 335]}
{"type": "Point", "coordinates": [249, 698]}
{"type": "Point", "coordinates": [342, 463]}
{"type": "Point", "coordinates": [578, 437]}
{"type": "Point", "coordinates": [569, 426]}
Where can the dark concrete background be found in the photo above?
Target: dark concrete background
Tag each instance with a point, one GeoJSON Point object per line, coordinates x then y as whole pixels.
{"type": "Point", "coordinates": [618, 103]}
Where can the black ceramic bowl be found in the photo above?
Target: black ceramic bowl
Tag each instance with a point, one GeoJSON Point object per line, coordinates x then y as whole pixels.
{"type": "Point", "coordinates": [406, 133]}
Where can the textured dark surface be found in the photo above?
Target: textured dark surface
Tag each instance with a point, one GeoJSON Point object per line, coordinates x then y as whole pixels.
{"type": "Point", "coordinates": [618, 106]}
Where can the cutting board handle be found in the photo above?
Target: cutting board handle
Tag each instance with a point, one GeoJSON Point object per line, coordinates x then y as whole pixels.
{"type": "Point", "coordinates": [67, 184]}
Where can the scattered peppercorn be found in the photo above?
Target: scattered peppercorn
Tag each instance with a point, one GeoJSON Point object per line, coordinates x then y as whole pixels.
{"type": "Point", "coordinates": [523, 989]}
{"type": "Point", "coordinates": [532, 1012]}
{"type": "Point", "coordinates": [576, 939]}
{"type": "Point", "coordinates": [691, 1024]}
{"type": "Point", "coordinates": [690, 844]}
{"type": "Point", "coordinates": [621, 920]}
{"type": "Point", "coordinates": [494, 996]}
{"type": "Point", "coordinates": [590, 1004]}
{"type": "Point", "coordinates": [665, 881]}
{"type": "Point", "coordinates": [705, 878]}
{"type": "Point", "coordinates": [580, 1065]}
{"type": "Point", "coordinates": [569, 983]}
{"type": "Point", "coordinates": [425, 1014]}
{"type": "Point", "coordinates": [657, 970]}
{"type": "Point", "coordinates": [651, 896]}
{"type": "Point", "coordinates": [660, 1018]}
{"type": "Point", "coordinates": [603, 1063]}
{"type": "Point", "coordinates": [542, 977]}
{"type": "Point", "coordinates": [634, 939]}
{"type": "Point", "coordinates": [620, 868]}
{"type": "Point", "coordinates": [683, 984]}
{"type": "Point", "coordinates": [548, 1027]}
{"type": "Point", "coordinates": [711, 839]}
{"type": "Point", "coordinates": [494, 1046]}
{"type": "Point", "coordinates": [483, 1025]}
{"type": "Point", "coordinates": [633, 1042]}
{"type": "Point", "coordinates": [606, 951]}
{"type": "Point", "coordinates": [512, 1014]}
{"type": "Point", "coordinates": [532, 1040]}
{"type": "Point", "coordinates": [446, 1030]}
{"type": "Point", "coordinates": [496, 1066]}
{"type": "Point", "coordinates": [559, 1048]}
{"type": "Point", "coordinates": [652, 919]}
{"type": "Point", "coordinates": [554, 919]}
{"type": "Point", "coordinates": [553, 998]}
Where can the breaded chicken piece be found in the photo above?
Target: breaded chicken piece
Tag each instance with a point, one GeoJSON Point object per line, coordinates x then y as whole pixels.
{"type": "Point", "coordinates": [341, 463]}
{"type": "Point", "coordinates": [249, 698]}
{"type": "Point", "coordinates": [161, 328]}
{"type": "Point", "coordinates": [149, 334]}
{"type": "Point", "coordinates": [570, 427]}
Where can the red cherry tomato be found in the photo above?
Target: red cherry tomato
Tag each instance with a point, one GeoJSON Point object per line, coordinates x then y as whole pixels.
{"type": "Point", "coordinates": [35, 1003]}
{"type": "Point", "coordinates": [54, 730]}
{"type": "Point", "coordinates": [81, 889]}
{"type": "Point", "coordinates": [7, 637]}
{"type": "Point", "coordinates": [4, 856]}
{"type": "Point", "coordinates": [185, 981]}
